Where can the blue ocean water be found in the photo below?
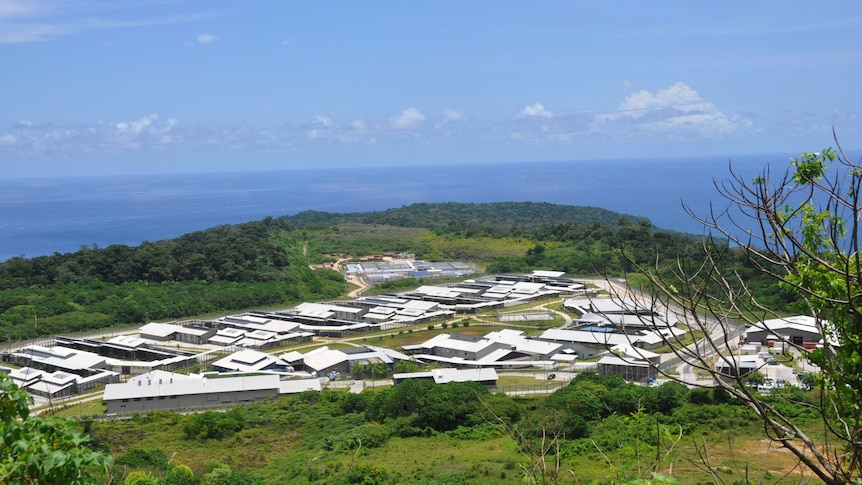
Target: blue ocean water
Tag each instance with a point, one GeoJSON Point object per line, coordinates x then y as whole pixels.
{"type": "Point", "coordinates": [43, 216]}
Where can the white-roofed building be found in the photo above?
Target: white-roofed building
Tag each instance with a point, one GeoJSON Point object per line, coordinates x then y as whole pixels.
{"type": "Point", "coordinates": [484, 376]}
{"type": "Point", "coordinates": [524, 288]}
{"type": "Point", "coordinates": [323, 361]}
{"type": "Point", "coordinates": [164, 390]}
{"type": "Point", "coordinates": [54, 385]}
{"type": "Point", "coordinates": [586, 344]}
{"type": "Point", "coordinates": [59, 383]}
{"type": "Point", "coordinates": [520, 343]}
{"type": "Point", "coordinates": [295, 386]}
{"type": "Point", "coordinates": [548, 274]}
{"type": "Point", "coordinates": [294, 358]}
{"type": "Point", "coordinates": [630, 369]}
{"type": "Point", "coordinates": [160, 332]}
{"type": "Point", "coordinates": [627, 351]}
{"type": "Point", "coordinates": [465, 347]}
{"type": "Point", "coordinates": [738, 365]}
{"type": "Point", "coordinates": [507, 348]}
{"type": "Point", "coordinates": [55, 358]}
{"type": "Point", "coordinates": [323, 310]}
{"type": "Point", "coordinates": [165, 332]}
{"type": "Point", "coordinates": [26, 376]}
{"type": "Point", "coordinates": [437, 291]}
{"type": "Point", "coordinates": [128, 341]}
{"type": "Point", "coordinates": [252, 361]}
{"type": "Point", "coordinates": [801, 330]}
{"type": "Point", "coordinates": [653, 339]}
{"type": "Point", "coordinates": [251, 323]}
{"type": "Point", "coordinates": [227, 337]}
{"type": "Point", "coordinates": [194, 335]}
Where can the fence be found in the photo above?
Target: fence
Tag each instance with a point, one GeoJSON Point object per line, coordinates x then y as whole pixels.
{"type": "Point", "coordinates": [539, 388]}
{"type": "Point", "coordinates": [48, 341]}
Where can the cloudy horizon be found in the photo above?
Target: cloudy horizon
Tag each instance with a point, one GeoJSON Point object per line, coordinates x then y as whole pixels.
{"type": "Point", "coordinates": [162, 86]}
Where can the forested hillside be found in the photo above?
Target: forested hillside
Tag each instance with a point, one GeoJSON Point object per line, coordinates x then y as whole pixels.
{"type": "Point", "coordinates": [520, 215]}
{"type": "Point", "coordinates": [266, 262]}
{"type": "Point", "coordinates": [220, 269]}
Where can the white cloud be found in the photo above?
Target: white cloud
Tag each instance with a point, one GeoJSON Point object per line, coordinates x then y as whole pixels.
{"type": "Point", "coordinates": [206, 38]}
{"type": "Point", "coordinates": [45, 20]}
{"type": "Point", "coordinates": [137, 126]}
{"type": "Point", "coordinates": [142, 132]}
{"type": "Point", "coordinates": [452, 115]}
{"type": "Point", "coordinates": [535, 110]}
{"type": "Point", "coordinates": [676, 109]}
{"type": "Point", "coordinates": [22, 8]}
{"type": "Point", "coordinates": [323, 121]}
{"type": "Point", "coordinates": [323, 128]}
{"type": "Point", "coordinates": [673, 112]}
{"type": "Point", "coordinates": [28, 139]}
{"type": "Point", "coordinates": [679, 96]}
{"type": "Point", "coordinates": [452, 122]}
{"type": "Point", "coordinates": [8, 139]}
{"type": "Point", "coordinates": [409, 118]}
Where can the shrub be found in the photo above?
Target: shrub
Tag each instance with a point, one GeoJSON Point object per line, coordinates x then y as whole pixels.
{"type": "Point", "coordinates": [180, 475]}
{"type": "Point", "coordinates": [212, 425]}
{"type": "Point", "coordinates": [140, 478]}
{"type": "Point", "coordinates": [144, 458]}
{"type": "Point", "coordinates": [367, 474]}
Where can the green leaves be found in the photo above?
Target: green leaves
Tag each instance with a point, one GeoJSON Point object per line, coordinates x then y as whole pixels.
{"type": "Point", "coordinates": [36, 450]}
{"type": "Point", "coordinates": [810, 167]}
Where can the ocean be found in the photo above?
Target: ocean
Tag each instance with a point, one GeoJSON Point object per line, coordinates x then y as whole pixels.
{"type": "Point", "coordinates": [43, 216]}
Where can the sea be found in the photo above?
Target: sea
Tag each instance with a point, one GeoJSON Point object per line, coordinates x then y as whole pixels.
{"type": "Point", "coordinates": [42, 216]}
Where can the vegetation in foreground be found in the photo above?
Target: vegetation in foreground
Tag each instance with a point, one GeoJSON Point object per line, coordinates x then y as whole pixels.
{"type": "Point", "coordinates": [810, 252]}
{"type": "Point", "coordinates": [600, 429]}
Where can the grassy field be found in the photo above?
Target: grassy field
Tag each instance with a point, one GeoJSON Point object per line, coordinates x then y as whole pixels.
{"type": "Point", "coordinates": [95, 407]}
{"type": "Point", "coordinates": [399, 338]}
{"type": "Point", "coordinates": [281, 452]}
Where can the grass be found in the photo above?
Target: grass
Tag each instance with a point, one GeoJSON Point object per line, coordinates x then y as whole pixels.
{"type": "Point", "coordinates": [505, 381]}
{"type": "Point", "coordinates": [283, 450]}
{"type": "Point", "coordinates": [316, 345]}
{"type": "Point", "coordinates": [420, 334]}
{"type": "Point", "coordinates": [94, 407]}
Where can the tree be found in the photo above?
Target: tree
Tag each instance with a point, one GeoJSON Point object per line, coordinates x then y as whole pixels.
{"type": "Point", "coordinates": [140, 478]}
{"type": "Point", "coordinates": [180, 475]}
{"type": "Point", "coordinates": [42, 451]}
{"type": "Point", "coordinates": [801, 229]}
{"type": "Point", "coordinates": [756, 378]}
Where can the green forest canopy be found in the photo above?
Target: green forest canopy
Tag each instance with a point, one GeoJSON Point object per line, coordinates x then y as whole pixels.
{"type": "Point", "coordinates": [267, 262]}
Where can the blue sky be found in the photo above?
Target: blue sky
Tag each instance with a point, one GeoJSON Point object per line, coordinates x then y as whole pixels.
{"type": "Point", "coordinates": [142, 86]}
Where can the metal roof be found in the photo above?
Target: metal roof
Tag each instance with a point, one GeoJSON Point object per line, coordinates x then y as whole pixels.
{"type": "Point", "coordinates": [323, 358]}
{"type": "Point", "coordinates": [442, 376]}
{"type": "Point", "coordinates": [158, 329]}
{"type": "Point", "coordinates": [578, 336]}
{"type": "Point", "coordinates": [194, 385]}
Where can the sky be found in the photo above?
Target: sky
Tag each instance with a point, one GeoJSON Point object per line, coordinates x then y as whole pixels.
{"type": "Point", "coordinates": [150, 86]}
